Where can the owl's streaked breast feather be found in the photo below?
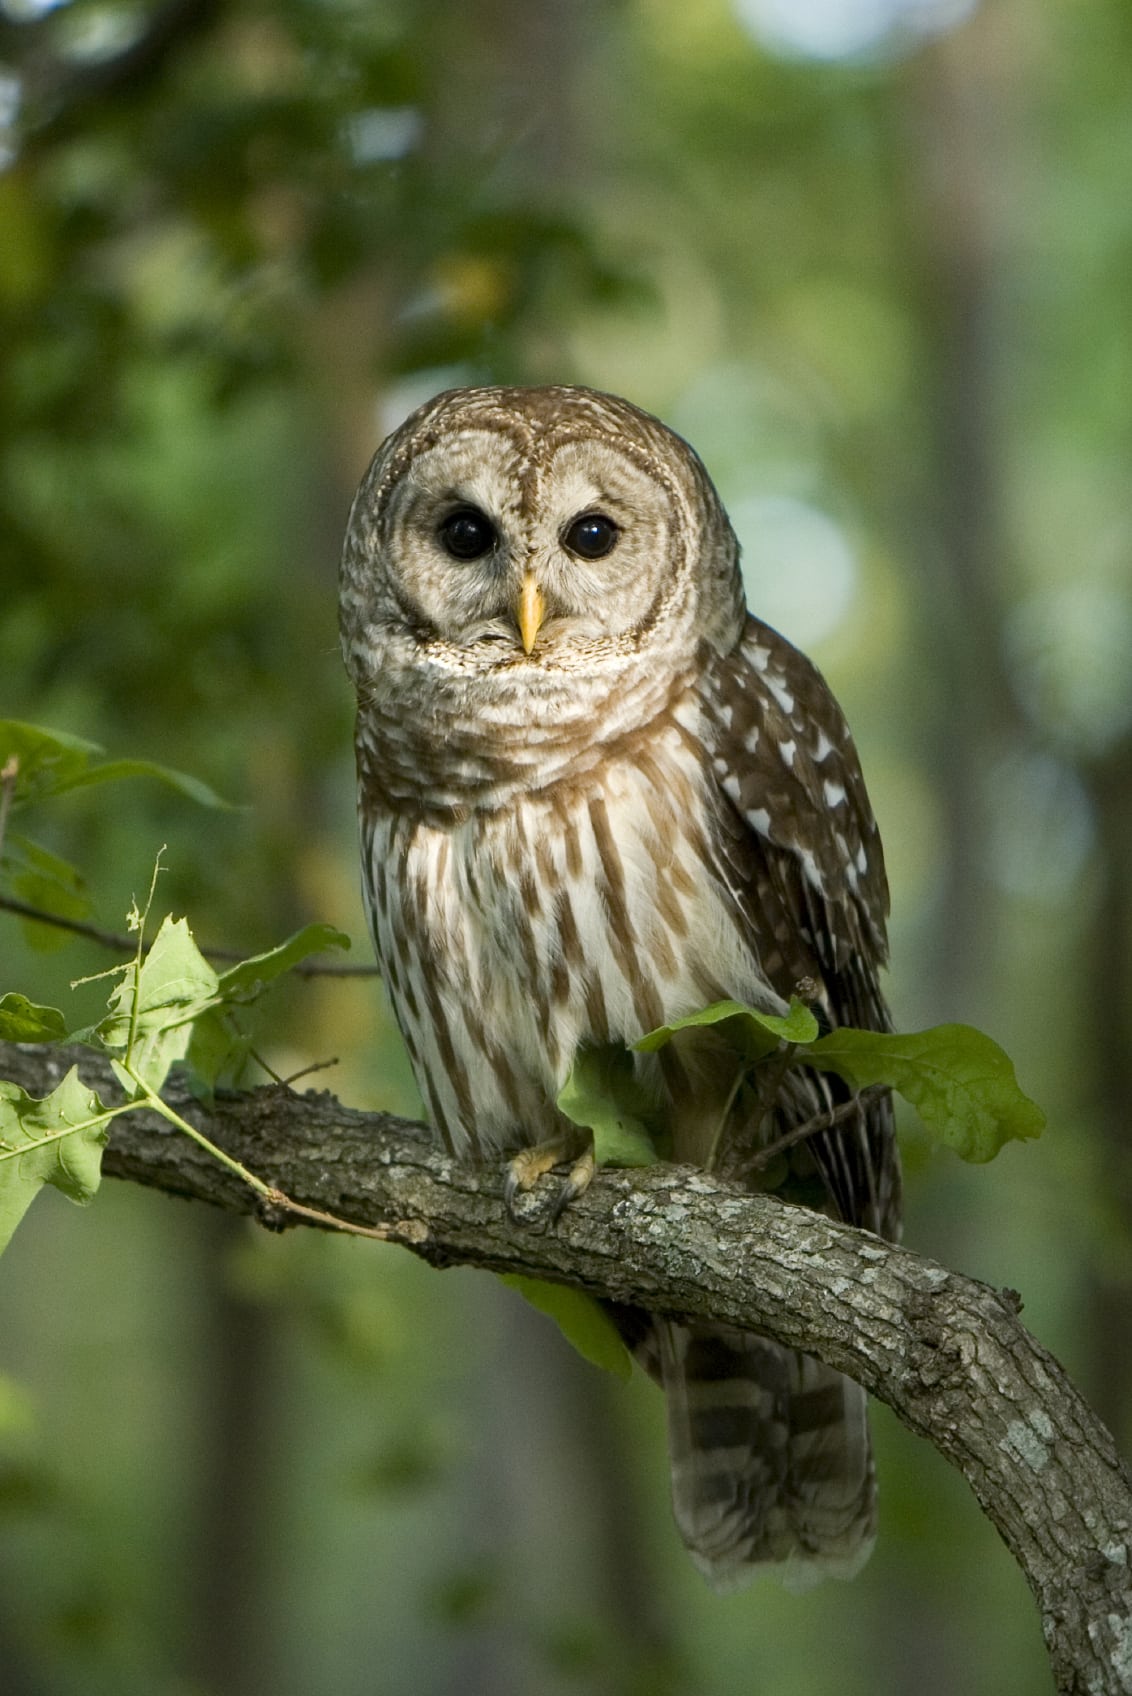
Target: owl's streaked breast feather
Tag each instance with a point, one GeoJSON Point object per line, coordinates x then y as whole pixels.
{"type": "Point", "coordinates": [497, 910]}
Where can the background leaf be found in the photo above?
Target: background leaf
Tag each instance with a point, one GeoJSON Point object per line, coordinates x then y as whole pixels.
{"type": "Point", "coordinates": [602, 1094]}
{"type": "Point", "coordinates": [216, 1051]}
{"type": "Point", "coordinates": [22, 1021]}
{"type": "Point", "coordinates": [245, 980]}
{"type": "Point", "coordinates": [958, 1079]}
{"type": "Point", "coordinates": [44, 880]}
{"type": "Point", "coordinates": [51, 762]}
{"type": "Point", "coordinates": [582, 1321]}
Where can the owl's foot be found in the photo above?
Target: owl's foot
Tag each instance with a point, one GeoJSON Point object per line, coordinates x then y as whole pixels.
{"type": "Point", "coordinates": [572, 1148]}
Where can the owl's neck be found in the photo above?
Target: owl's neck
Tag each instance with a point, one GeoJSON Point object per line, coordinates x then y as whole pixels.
{"type": "Point", "coordinates": [440, 748]}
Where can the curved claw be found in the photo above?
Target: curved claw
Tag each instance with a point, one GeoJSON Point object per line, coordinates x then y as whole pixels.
{"type": "Point", "coordinates": [576, 1182]}
{"type": "Point", "coordinates": [524, 1169]}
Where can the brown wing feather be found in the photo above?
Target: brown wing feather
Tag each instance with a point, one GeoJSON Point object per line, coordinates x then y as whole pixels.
{"type": "Point", "coordinates": [805, 854]}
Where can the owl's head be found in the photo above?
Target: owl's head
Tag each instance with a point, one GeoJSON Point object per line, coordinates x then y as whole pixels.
{"type": "Point", "coordinates": [531, 532]}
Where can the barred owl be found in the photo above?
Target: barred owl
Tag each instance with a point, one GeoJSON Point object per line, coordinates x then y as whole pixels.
{"type": "Point", "coordinates": [595, 795]}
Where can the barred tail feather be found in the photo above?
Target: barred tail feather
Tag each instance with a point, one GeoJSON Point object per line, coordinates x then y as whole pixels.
{"type": "Point", "coordinates": [771, 1460]}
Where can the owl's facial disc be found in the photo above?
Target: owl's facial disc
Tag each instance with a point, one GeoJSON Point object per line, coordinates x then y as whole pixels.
{"type": "Point", "coordinates": [513, 549]}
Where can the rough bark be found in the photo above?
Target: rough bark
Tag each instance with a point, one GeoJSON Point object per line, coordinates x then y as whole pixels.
{"type": "Point", "coordinates": [949, 1355]}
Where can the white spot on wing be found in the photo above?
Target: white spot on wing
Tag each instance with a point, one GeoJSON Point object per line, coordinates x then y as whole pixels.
{"type": "Point", "coordinates": [810, 867]}
{"type": "Point", "coordinates": [781, 693]}
{"type": "Point", "coordinates": [759, 819]}
{"type": "Point", "coordinates": [834, 793]}
{"type": "Point", "coordinates": [787, 750]}
{"type": "Point", "coordinates": [824, 747]}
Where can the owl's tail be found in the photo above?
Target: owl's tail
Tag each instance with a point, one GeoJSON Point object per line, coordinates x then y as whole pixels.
{"type": "Point", "coordinates": [771, 1460]}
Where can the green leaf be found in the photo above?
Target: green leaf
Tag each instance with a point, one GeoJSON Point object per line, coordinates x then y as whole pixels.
{"type": "Point", "coordinates": [958, 1079]}
{"type": "Point", "coordinates": [52, 762]}
{"type": "Point", "coordinates": [22, 1021]}
{"type": "Point", "coordinates": [762, 1031]}
{"type": "Point", "coordinates": [152, 1008]}
{"type": "Point", "coordinates": [585, 1325]}
{"type": "Point", "coordinates": [45, 881]}
{"type": "Point", "coordinates": [58, 1141]}
{"type": "Point", "coordinates": [112, 771]}
{"type": "Point", "coordinates": [603, 1094]}
{"type": "Point", "coordinates": [216, 1050]}
{"type": "Point", "coordinates": [245, 980]}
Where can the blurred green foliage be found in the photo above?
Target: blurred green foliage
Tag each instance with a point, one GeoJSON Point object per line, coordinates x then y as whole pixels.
{"type": "Point", "coordinates": [883, 291]}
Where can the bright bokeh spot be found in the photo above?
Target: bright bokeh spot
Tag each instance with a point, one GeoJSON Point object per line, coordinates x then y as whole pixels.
{"type": "Point", "coordinates": [798, 564]}
{"type": "Point", "coordinates": [845, 29]}
{"type": "Point", "coordinates": [1040, 826]}
{"type": "Point", "coordinates": [1069, 651]}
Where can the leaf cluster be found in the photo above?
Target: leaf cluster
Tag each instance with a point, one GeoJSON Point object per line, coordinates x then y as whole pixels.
{"type": "Point", "coordinates": [961, 1083]}
{"type": "Point", "coordinates": [38, 765]}
{"type": "Point", "coordinates": [958, 1079]}
{"type": "Point", "coordinates": [167, 1006]}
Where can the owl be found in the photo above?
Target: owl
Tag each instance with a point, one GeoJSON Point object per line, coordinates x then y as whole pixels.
{"type": "Point", "coordinates": [596, 795]}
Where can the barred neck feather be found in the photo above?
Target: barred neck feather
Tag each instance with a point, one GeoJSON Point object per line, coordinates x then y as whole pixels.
{"type": "Point", "coordinates": [516, 731]}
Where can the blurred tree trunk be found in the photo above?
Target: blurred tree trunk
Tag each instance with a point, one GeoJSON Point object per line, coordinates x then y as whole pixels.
{"type": "Point", "coordinates": [953, 528]}
{"type": "Point", "coordinates": [959, 99]}
{"type": "Point", "coordinates": [552, 1503]}
{"type": "Point", "coordinates": [955, 522]}
{"type": "Point", "coordinates": [1106, 1076]}
{"type": "Point", "coordinates": [231, 1650]}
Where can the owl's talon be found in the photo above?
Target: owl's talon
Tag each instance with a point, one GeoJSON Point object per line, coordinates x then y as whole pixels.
{"type": "Point", "coordinates": [576, 1183]}
{"type": "Point", "coordinates": [530, 1164]}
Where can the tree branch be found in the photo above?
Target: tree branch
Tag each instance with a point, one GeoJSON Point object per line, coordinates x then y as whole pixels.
{"type": "Point", "coordinates": [948, 1355]}
{"type": "Point", "coordinates": [127, 945]}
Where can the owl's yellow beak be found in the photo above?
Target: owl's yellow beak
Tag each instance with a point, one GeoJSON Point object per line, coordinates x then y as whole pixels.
{"type": "Point", "coordinates": [530, 612]}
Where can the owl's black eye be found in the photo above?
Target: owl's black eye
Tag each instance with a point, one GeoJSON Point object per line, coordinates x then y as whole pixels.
{"type": "Point", "coordinates": [467, 534]}
{"type": "Point", "coordinates": [592, 536]}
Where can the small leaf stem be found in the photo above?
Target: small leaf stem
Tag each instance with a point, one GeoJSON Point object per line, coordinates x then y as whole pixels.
{"type": "Point", "coordinates": [713, 1151]}
{"type": "Point", "coordinates": [147, 1097]}
{"type": "Point", "coordinates": [139, 956]}
{"type": "Point", "coordinates": [272, 1196]}
{"type": "Point", "coordinates": [10, 1152]}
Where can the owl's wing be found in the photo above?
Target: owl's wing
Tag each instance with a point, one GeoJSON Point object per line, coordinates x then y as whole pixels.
{"type": "Point", "coordinates": [802, 851]}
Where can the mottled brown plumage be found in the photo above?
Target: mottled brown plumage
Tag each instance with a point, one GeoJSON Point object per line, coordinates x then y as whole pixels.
{"type": "Point", "coordinates": [595, 795]}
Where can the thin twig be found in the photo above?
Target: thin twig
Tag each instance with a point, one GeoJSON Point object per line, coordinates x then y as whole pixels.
{"type": "Point", "coordinates": [292, 1080]}
{"type": "Point", "coordinates": [403, 1231]}
{"type": "Point", "coordinates": [768, 1076]}
{"type": "Point", "coordinates": [713, 1152]}
{"type": "Point", "coordinates": [126, 945]}
{"type": "Point", "coordinates": [820, 1122]}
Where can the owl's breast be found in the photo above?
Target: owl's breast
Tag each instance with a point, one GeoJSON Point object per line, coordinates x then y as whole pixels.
{"type": "Point", "coordinates": [587, 911]}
